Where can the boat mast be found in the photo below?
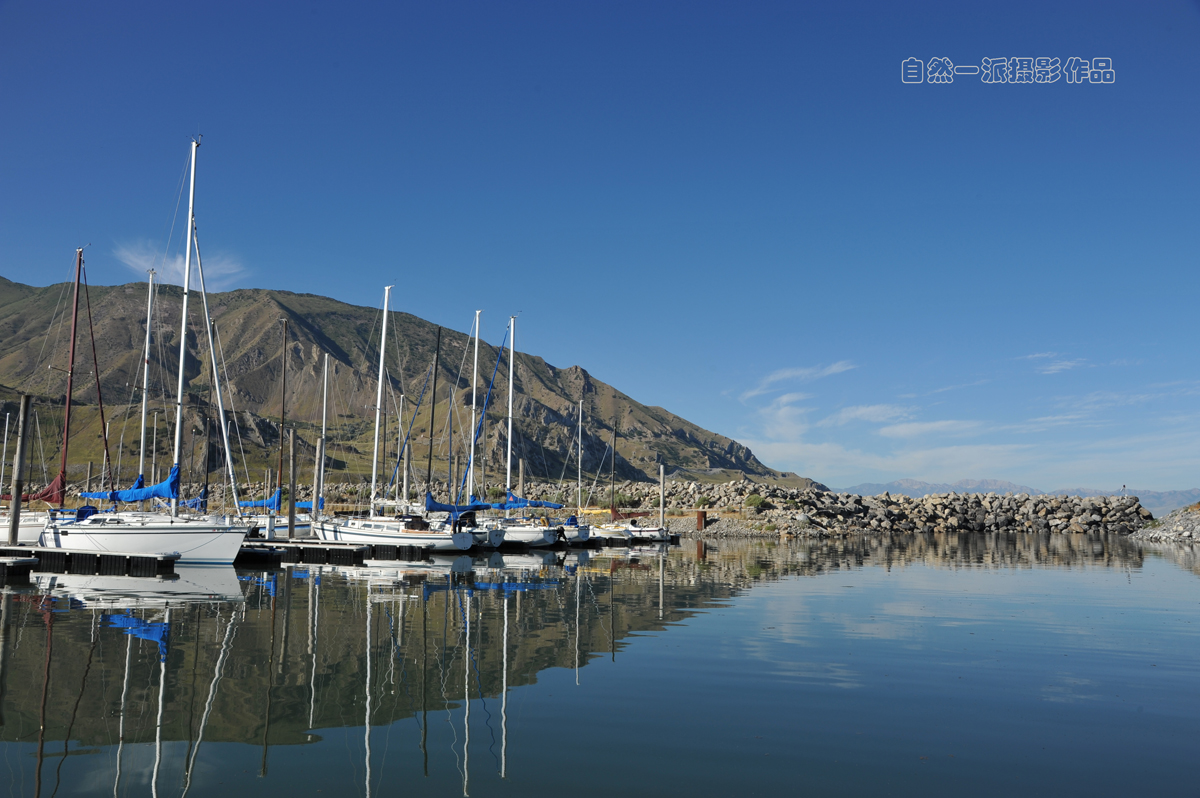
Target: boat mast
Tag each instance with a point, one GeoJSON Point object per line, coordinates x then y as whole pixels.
{"type": "Point", "coordinates": [387, 292]}
{"type": "Point", "coordinates": [146, 377]}
{"type": "Point", "coordinates": [512, 351]}
{"type": "Point", "coordinates": [4, 458]}
{"type": "Point", "coordinates": [187, 282]}
{"type": "Point", "coordinates": [62, 469]}
{"type": "Point", "coordinates": [282, 411]}
{"type": "Point", "coordinates": [216, 376]}
{"type": "Point", "coordinates": [579, 476]}
{"type": "Point", "coordinates": [319, 471]}
{"type": "Point", "coordinates": [437, 353]}
{"type": "Point", "coordinates": [400, 445]}
{"type": "Point", "coordinates": [612, 478]}
{"type": "Point", "coordinates": [474, 385]}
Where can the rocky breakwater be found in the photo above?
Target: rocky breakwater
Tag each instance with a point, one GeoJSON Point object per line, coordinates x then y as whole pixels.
{"type": "Point", "coordinates": [990, 512]}
{"type": "Point", "coordinates": [819, 514]}
{"type": "Point", "coordinates": [1177, 526]}
{"type": "Point", "coordinates": [749, 507]}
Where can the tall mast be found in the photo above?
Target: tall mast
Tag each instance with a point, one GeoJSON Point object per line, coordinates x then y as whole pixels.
{"type": "Point", "coordinates": [62, 469]}
{"type": "Point", "coordinates": [319, 472]}
{"type": "Point", "coordinates": [579, 489]}
{"type": "Point", "coordinates": [474, 384]}
{"type": "Point", "coordinates": [187, 283]}
{"type": "Point", "coordinates": [612, 478]}
{"type": "Point", "coordinates": [146, 374]}
{"type": "Point", "coordinates": [400, 442]}
{"type": "Point", "coordinates": [512, 351]}
{"type": "Point", "coordinates": [387, 292]}
{"type": "Point", "coordinates": [216, 377]}
{"type": "Point", "coordinates": [4, 457]}
{"type": "Point", "coordinates": [282, 409]}
{"type": "Point", "coordinates": [437, 353]}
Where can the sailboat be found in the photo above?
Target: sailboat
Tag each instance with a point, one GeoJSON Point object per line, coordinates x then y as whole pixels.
{"type": "Point", "coordinates": [537, 533]}
{"type": "Point", "coordinates": [625, 527]}
{"type": "Point", "coordinates": [31, 525]}
{"type": "Point", "coordinates": [198, 540]}
{"type": "Point", "coordinates": [379, 529]}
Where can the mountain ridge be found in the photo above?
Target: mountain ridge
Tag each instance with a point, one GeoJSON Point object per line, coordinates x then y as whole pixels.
{"type": "Point", "coordinates": [250, 343]}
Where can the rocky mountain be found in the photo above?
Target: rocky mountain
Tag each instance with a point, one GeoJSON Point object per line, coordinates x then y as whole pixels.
{"type": "Point", "coordinates": [35, 331]}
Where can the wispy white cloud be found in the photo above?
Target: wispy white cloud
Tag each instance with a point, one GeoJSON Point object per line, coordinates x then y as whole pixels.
{"type": "Point", "coordinates": [796, 375]}
{"type": "Point", "coordinates": [782, 419]}
{"type": "Point", "coordinates": [1038, 355]}
{"type": "Point", "coordinates": [221, 270]}
{"type": "Point", "coordinates": [1061, 365]}
{"type": "Point", "coordinates": [960, 385]}
{"type": "Point", "coordinates": [916, 429]}
{"type": "Point", "coordinates": [873, 413]}
{"type": "Point", "coordinates": [1043, 423]}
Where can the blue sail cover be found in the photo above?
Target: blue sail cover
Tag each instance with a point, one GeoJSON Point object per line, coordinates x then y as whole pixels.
{"type": "Point", "coordinates": [432, 506]}
{"type": "Point", "coordinates": [146, 630]}
{"type": "Point", "coordinates": [515, 502]}
{"type": "Point", "coordinates": [167, 489]}
{"type": "Point", "coordinates": [308, 505]}
{"type": "Point", "coordinates": [271, 503]}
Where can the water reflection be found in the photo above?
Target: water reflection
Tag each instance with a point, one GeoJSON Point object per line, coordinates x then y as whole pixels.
{"type": "Point", "coordinates": [142, 684]}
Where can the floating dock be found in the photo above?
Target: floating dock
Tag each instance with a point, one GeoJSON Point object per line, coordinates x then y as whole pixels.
{"type": "Point", "coordinates": [278, 552]}
{"type": "Point", "coordinates": [15, 570]}
{"type": "Point", "coordinates": [75, 561]}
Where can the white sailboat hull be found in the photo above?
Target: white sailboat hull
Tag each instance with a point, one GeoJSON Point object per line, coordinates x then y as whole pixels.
{"type": "Point", "coordinates": [653, 534]}
{"type": "Point", "coordinates": [29, 529]}
{"type": "Point", "coordinates": [197, 541]}
{"type": "Point", "coordinates": [381, 532]}
{"type": "Point", "coordinates": [531, 535]}
{"type": "Point", "coordinates": [577, 534]}
{"type": "Point", "coordinates": [488, 538]}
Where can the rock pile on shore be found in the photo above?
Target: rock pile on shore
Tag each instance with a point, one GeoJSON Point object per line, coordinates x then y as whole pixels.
{"type": "Point", "coordinates": [1182, 525]}
{"type": "Point", "coordinates": [953, 512]}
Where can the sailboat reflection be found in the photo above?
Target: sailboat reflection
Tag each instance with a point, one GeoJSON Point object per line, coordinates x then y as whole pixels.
{"type": "Point", "coordinates": [192, 583]}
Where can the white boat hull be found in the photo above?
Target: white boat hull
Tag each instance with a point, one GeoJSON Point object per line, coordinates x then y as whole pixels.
{"type": "Point", "coordinates": [197, 541]}
{"type": "Point", "coordinates": [28, 530]}
{"type": "Point", "coordinates": [381, 532]}
{"type": "Point", "coordinates": [628, 532]}
{"type": "Point", "coordinates": [531, 535]}
{"type": "Point", "coordinates": [577, 534]}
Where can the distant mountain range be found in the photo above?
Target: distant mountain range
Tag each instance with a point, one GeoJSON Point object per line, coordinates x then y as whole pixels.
{"type": "Point", "coordinates": [1158, 502]}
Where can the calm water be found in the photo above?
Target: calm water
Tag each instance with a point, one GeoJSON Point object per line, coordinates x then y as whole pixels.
{"type": "Point", "coordinates": [933, 666]}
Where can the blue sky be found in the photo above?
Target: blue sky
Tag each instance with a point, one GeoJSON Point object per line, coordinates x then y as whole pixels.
{"type": "Point", "coordinates": [736, 211]}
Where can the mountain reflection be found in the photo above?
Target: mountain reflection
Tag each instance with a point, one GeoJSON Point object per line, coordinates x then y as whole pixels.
{"type": "Point", "coordinates": [93, 665]}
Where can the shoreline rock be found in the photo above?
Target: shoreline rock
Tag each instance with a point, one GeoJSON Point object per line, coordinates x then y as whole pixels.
{"type": "Point", "coordinates": [1177, 526]}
